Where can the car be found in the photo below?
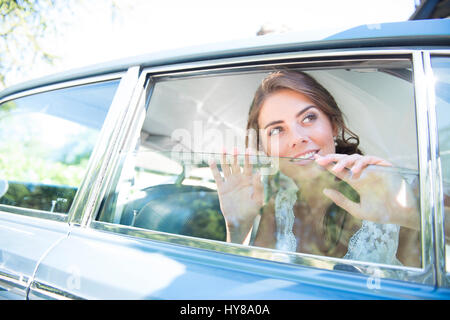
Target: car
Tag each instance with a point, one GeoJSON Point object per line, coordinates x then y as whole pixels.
{"type": "Point", "coordinates": [106, 185]}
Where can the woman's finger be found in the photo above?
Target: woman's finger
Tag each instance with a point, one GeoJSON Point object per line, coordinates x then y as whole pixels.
{"type": "Point", "coordinates": [225, 167]}
{"type": "Point", "coordinates": [359, 166]}
{"type": "Point", "coordinates": [247, 166]}
{"type": "Point", "coordinates": [340, 169]}
{"type": "Point", "coordinates": [342, 201]}
{"type": "Point", "coordinates": [258, 187]}
{"type": "Point", "coordinates": [216, 174]}
{"type": "Point", "coordinates": [346, 162]}
{"type": "Point", "coordinates": [380, 162]}
{"type": "Point", "coordinates": [235, 168]}
{"type": "Point", "coordinates": [329, 158]}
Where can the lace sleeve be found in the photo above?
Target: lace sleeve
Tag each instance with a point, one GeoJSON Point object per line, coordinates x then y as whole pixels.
{"type": "Point", "coordinates": [374, 242]}
{"type": "Point", "coordinates": [284, 219]}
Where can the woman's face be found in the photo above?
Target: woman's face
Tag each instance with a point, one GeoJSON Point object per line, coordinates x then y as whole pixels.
{"type": "Point", "coordinates": [292, 126]}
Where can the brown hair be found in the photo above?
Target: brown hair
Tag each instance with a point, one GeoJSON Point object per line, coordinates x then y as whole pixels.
{"type": "Point", "coordinates": [347, 141]}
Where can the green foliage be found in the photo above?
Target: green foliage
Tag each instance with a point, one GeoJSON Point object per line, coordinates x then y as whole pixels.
{"type": "Point", "coordinates": [39, 197]}
{"type": "Point", "coordinates": [19, 164]}
{"type": "Point", "coordinates": [23, 23]}
{"type": "Point", "coordinates": [6, 108]}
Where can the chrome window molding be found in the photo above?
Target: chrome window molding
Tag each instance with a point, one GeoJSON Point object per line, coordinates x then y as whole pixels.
{"type": "Point", "coordinates": [41, 291]}
{"type": "Point", "coordinates": [443, 277]}
{"type": "Point", "coordinates": [62, 85]}
{"type": "Point", "coordinates": [277, 59]}
{"type": "Point", "coordinates": [427, 188]}
{"type": "Point", "coordinates": [60, 217]}
{"type": "Point", "coordinates": [87, 194]}
{"type": "Point", "coordinates": [424, 275]}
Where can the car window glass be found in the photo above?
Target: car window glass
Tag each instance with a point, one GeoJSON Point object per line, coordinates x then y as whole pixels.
{"type": "Point", "coordinates": [46, 140]}
{"type": "Point", "coordinates": [178, 180]}
{"type": "Point", "coordinates": [441, 68]}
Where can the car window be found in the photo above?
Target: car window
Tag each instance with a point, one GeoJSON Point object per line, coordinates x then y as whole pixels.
{"type": "Point", "coordinates": [249, 158]}
{"type": "Point", "coordinates": [441, 68]}
{"type": "Point", "coordinates": [46, 140]}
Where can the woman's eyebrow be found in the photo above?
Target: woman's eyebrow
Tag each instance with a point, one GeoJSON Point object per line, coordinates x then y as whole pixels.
{"type": "Point", "coordinates": [297, 115]}
{"type": "Point", "coordinates": [304, 110]}
{"type": "Point", "coordinates": [272, 123]}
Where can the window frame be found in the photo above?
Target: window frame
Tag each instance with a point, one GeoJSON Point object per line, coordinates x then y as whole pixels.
{"type": "Point", "coordinates": [424, 275]}
{"type": "Point", "coordinates": [55, 216]}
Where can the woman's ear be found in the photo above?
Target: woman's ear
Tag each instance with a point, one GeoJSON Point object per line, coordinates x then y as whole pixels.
{"type": "Point", "coordinates": [335, 131]}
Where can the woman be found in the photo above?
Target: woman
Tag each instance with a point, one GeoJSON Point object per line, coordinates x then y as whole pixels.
{"type": "Point", "coordinates": [324, 200]}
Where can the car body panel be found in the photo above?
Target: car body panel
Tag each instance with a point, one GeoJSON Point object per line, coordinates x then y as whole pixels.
{"type": "Point", "coordinates": [24, 241]}
{"type": "Point", "coordinates": [107, 266]}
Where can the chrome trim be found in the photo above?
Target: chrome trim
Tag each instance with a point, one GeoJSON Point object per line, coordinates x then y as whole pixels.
{"type": "Point", "coordinates": [437, 52]}
{"type": "Point", "coordinates": [276, 59]}
{"type": "Point", "coordinates": [14, 282]}
{"type": "Point", "coordinates": [427, 201]}
{"type": "Point", "coordinates": [63, 85]}
{"type": "Point", "coordinates": [424, 275]}
{"type": "Point", "coordinates": [129, 131]}
{"type": "Point", "coordinates": [60, 217]}
{"type": "Point", "coordinates": [87, 194]}
{"type": "Point", "coordinates": [40, 290]}
{"type": "Point", "coordinates": [299, 63]}
{"type": "Point", "coordinates": [439, 243]}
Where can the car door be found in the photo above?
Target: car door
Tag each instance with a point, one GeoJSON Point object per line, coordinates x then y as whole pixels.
{"type": "Point", "coordinates": [151, 226]}
{"type": "Point", "coordinates": [47, 137]}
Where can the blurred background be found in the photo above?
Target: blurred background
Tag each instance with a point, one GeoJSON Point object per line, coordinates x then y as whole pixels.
{"type": "Point", "coordinates": [41, 37]}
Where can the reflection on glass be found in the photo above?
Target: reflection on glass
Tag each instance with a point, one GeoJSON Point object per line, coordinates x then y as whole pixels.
{"type": "Point", "coordinates": [266, 206]}
{"type": "Point", "coordinates": [441, 67]}
{"type": "Point", "coordinates": [46, 140]}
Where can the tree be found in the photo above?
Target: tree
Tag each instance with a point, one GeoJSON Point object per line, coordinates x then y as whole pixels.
{"type": "Point", "coordinates": [23, 23]}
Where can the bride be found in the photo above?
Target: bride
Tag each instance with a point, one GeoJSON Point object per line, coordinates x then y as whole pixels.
{"type": "Point", "coordinates": [327, 198]}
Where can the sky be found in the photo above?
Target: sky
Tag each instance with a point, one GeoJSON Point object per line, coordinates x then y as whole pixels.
{"type": "Point", "coordinates": [92, 32]}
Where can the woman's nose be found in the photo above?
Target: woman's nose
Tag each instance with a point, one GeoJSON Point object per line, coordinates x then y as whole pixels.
{"type": "Point", "coordinates": [298, 136]}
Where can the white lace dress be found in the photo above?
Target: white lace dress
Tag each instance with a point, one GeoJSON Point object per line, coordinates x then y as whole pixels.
{"type": "Point", "coordinates": [373, 242]}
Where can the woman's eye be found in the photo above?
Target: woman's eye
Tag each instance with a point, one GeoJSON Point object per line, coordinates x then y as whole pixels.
{"type": "Point", "coordinates": [274, 131]}
{"type": "Point", "coordinates": [309, 118]}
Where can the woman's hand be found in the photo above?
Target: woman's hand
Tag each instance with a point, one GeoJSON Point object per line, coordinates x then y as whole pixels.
{"type": "Point", "coordinates": [240, 195]}
{"type": "Point", "coordinates": [385, 197]}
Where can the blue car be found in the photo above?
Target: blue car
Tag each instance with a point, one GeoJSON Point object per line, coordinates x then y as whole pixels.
{"type": "Point", "coordinates": [167, 176]}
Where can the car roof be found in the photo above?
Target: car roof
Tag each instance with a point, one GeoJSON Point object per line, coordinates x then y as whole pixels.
{"type": "Point", "coordinates": [435, 32]}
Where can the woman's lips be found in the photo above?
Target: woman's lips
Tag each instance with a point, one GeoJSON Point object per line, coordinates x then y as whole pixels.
{"type": "Point", "coordinates": [304, 156]}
